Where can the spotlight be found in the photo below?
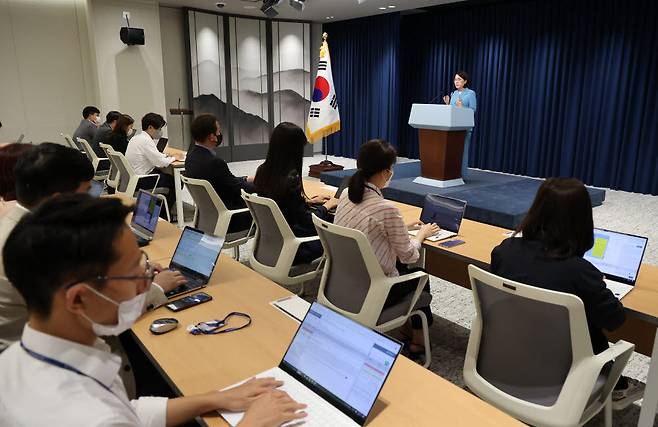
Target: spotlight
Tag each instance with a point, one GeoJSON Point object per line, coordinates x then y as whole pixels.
{"type": "Point", "coordinates": [297, 4]}
{"type": "Point", "coordinates": [268, 7]}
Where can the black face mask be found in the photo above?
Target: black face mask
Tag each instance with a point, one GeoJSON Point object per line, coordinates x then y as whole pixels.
{"type": "Point", "coordinates": [220, 138]}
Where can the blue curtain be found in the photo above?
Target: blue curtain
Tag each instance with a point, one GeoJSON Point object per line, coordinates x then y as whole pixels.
{"type": "Point", "coordinates": [365, 65]}
{"type": "Point", "coordinates": [564, 88]}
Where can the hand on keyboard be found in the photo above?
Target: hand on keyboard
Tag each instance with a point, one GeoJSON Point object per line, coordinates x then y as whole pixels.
{"type": "Point", "coordinates": [427, 230]}
{"type": "Point", "coordinates": [272, 409]}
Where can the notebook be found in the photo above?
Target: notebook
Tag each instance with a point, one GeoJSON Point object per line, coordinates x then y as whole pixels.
{"type": "Point", "coordinates": [195, 257]}
{"type": "Point", "coordinates": [443, 211]}
{"type": "Point", "coordinates": [618, 256]}
{"type": "Point", "coordinates": [145, 217]}
{"type": "Point", "coordinates": [334, 365]}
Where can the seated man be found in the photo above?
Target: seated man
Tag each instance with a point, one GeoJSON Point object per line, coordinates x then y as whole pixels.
{"type": "Point", "coordinates": [40, 173]}
{"type": "Point", "coordinates": [61, 372]}
{"type": "Point", "coordinates": [88, 125]}
{"type": "Point", "coordinates": [144, 157]}
{"type": "Point", "coordinates": [202, 162]}
{"type": "Point", "coordinates": [103, 133]}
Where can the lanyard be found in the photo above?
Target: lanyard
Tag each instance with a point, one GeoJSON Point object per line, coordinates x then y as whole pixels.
{"type": "Point", "coordinates": [70, 368]}
{"type": "Point", "coordinates": [213, 327]}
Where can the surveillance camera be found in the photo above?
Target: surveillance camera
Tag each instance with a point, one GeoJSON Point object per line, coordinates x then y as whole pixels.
{"type": "Point", "coordinates": [220, 5]}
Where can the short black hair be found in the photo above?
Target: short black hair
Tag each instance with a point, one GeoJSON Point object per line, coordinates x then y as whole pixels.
{"type": "Point", "coordinates": [153, 119]}
{"type": "Point", "coordinates": [561, 218]}
{"type": "Point", "coordinates": [202, 126]}
{"type": "Point", "coordinates": [112, 116]}
{"type": "Point", "coordinates": [48, 169]}
{"type": "Point", "coordinates": [89, 110]}
{"type": "Point", "coordinates": [464, 75]}
{"type": "Point", "coordinates": [79, 229]}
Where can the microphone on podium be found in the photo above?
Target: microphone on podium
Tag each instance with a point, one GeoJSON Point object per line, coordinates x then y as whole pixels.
{"type": "Point", "coordinates": [435, 98]}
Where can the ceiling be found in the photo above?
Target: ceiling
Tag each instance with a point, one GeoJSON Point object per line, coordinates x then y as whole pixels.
{"type": "Point", "coordinates": [315, 10]}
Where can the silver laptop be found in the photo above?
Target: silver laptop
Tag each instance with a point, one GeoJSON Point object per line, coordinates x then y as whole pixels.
{"type": "Point", "coordinates": [195, 258]}
{"type": "Point", "coordinates": [334, 365]}
{"type": "Point", "coordinates": [145, 217]}
{"type": "Point", "coordinates": [445, 212]}
{"type": "Point", "coordinates": [618, 256]}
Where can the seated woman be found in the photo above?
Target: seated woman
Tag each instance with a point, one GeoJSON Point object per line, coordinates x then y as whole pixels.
{"type": "Point", "coordinates": [547, 251]}
{"type": "Point", "coordinates": [119, 137]}
{"type": "Point", "coordinates": [9, 155]}
{"type": "Point", "coordinates": [279, 178]}
{"type": "Point", "coordinates": [366, 210]}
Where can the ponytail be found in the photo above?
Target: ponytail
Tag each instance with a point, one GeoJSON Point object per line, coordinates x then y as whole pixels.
{"type": "Point", "coordinates": [375, 156]}
{"type": "Point", "coordinates": [357, 187]}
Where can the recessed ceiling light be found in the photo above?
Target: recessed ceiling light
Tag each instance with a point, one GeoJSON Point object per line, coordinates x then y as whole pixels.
{"type": "Point", "coordinates": [382, 8]}
{"type": "Point", "coordinates": [391, 7]}
{"type": "Point", "coordinates": [330, 17]}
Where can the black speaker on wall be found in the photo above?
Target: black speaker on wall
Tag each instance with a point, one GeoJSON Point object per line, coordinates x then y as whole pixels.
{"type": "Point", "coordinates": [132, 36]}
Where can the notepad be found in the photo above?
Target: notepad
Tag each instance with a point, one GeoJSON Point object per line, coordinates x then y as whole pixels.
{"type": "Point", "coordinates": [292, 306]}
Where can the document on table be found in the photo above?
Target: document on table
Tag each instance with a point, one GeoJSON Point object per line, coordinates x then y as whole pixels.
{"type": "Point", "coordinates": [293, 306]}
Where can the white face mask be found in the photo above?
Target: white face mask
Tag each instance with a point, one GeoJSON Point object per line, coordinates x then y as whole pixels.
{"type": "Point", "coordinates": [158, 134]}
{"type": "Point", "coordinates": [388, 181]}
{"type": "Point", "coordinates": [127, 314]}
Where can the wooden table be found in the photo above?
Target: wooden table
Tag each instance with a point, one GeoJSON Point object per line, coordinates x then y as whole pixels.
{"type": "Point", "coordinates": [412, 395]}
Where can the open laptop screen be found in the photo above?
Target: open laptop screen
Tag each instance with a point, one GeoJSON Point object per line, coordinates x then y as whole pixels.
{"type": "Point", "coordinates": [617, 255]}
{"type": "Point", "coordinates": [340, 360]}
{"type": "Point", "coordinates": [445, 212]}
{"type": "Point", "coordinates": [147, 212]}
{"type": "Point", "coordinates": [197, 252]}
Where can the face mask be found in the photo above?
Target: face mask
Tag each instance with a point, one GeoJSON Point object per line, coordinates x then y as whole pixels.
{"type": "Point", "coordinates": [128, 313]}
{"type": "Point", "coordinates": [388, 181]}
{"type": "Point", "coordinates": [158, 134]}
{"type": "Point", "coordinates": [95, 189]}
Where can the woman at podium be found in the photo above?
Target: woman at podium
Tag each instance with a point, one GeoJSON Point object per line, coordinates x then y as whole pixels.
{"type": "Point", "coordinates": [463, 97]}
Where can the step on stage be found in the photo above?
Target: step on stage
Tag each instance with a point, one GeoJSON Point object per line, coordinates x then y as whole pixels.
{"type": "Point", "coordinates": [491, 197]}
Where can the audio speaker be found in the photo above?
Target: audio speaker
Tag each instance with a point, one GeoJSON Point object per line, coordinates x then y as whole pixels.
{"type": "Point", "coordinates": [132, 36]}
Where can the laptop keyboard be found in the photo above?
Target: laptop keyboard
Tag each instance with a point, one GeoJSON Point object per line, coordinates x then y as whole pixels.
{"type": "Point", "coordinates": [320, 412]}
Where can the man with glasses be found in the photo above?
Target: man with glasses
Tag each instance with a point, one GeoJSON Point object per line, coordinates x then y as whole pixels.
{"type": "Point", "coordinates": [47, 170]}
{"type": "Point", "coordinates": [61, 373]}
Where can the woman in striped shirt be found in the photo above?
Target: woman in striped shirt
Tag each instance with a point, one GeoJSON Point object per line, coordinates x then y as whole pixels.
{"type": "Point", "coordinates": [366, 210]}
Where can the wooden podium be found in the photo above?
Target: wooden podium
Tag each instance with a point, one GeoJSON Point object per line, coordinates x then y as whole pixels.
{"type": "Point", "coordinates": [441, 133]}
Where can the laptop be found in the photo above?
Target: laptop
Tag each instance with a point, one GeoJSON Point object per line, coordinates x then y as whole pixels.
{"type": "Point", "coordinates": [618, 256]}
{"type": "Point", "coordinates": [334, 365]}
{"type": "Point", "coordinates": [195, 257]}
{"type": "Point", "coordinates": [145, 217]}
{"type": "Point", "coordinates": [445, 212]}
{"type": "Point", "coordinates": [162, 144]}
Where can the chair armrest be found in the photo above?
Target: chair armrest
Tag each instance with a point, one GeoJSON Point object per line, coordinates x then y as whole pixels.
{"type": "Point", "coordinates": [153, 176]}
{"type": "Point", "coordinates": [237, 211]}
{"type": "Point", "coordinates": [618, 353]}
{"type": "Point", "coordinates": [300, 240]}
{"type": "Point", "coordinates": [419, 275]}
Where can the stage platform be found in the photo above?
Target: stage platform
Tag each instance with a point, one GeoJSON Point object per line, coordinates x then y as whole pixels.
{"type": "Point", "coordinates": [493, 198]}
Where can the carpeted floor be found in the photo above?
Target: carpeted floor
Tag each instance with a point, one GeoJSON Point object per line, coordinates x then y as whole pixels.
{"type": "Point", "coordinates": [453, 307]}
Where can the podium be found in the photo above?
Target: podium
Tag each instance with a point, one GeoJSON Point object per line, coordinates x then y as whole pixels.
{"type": "Point", "coordinates": [441, 133]}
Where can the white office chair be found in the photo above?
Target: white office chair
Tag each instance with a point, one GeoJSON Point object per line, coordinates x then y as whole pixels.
{"type": "Point", "coordinates": [213, 217]}
{"type": "Point", "coordinates": [101, 165]}
{"type": "Point", "coordinates": [275, 245]}
{"type": "Point", "coordinates": [69, 141]}
{"type": "Point", "coordinates": [354, 284]}
{"type": "Point", "coordinates": [530, 354]}
{"type": "Point", "coordinates": [129, 180]}
{"type": "Point", "coordinates": [112, 179]}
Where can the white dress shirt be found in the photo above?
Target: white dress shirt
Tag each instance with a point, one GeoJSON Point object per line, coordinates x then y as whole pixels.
{"type": "Point", "coordinates": [143, 154]}
{"type": "Point", "coordinates": [34, 392]}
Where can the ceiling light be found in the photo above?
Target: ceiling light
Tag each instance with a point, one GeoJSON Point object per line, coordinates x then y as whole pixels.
{"type": "Point", "coordinates": [268, 7]}
{"type": "Point", "coordinates": [330, 17]}
{"type": "Point", "coordinates": [391, 7]}
{"type": "Point", "coordinates": [297, 4]}
{"type": "Point", "coordinates": [382, 8]}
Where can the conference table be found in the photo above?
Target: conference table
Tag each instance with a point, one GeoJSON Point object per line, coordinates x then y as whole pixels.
{"type": "Point", "coordinates": [451, 264]}
{"type": "Point", "coordinates": [194, 364]}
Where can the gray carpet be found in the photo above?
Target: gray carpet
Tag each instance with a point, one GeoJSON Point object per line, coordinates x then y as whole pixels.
{"type": "Point", "coordinates": [452, 305]}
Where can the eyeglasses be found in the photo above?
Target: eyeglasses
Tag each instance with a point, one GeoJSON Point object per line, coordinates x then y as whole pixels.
{"type": "Point", "coordinates": [143, 263]}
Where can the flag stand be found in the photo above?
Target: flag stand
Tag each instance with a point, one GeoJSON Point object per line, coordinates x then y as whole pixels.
{"type": "Point", "coordinates": [324, 166]}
